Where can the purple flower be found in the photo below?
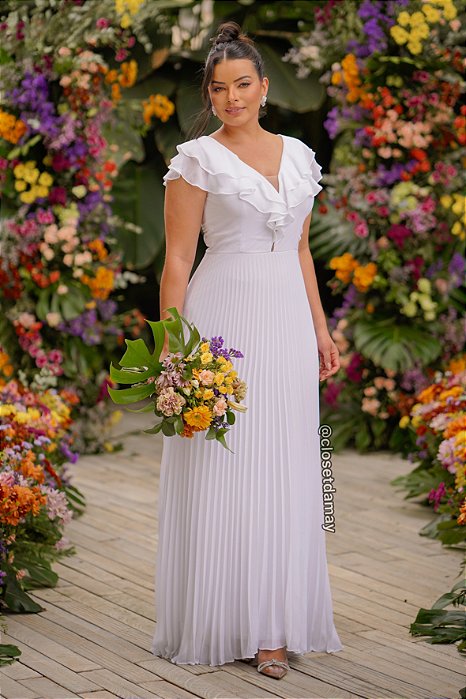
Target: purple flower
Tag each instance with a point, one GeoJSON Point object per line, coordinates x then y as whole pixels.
{"type": "Point", "coordinates": [456, 270]}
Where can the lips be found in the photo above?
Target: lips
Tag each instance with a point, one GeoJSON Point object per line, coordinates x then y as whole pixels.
{"type": "Point", "coordinates": [235, 110]}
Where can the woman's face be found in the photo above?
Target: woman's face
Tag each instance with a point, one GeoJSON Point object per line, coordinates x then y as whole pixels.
{"type": "Point", "coordinates": [236, 90]}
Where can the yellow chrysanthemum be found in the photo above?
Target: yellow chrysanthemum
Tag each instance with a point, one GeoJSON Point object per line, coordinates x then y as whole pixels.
{"type": "Point", "coordinates": [199, 417]}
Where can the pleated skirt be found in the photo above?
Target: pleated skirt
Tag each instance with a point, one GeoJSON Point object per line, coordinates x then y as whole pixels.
{"type": "Point", "coordinates": [241, 557]}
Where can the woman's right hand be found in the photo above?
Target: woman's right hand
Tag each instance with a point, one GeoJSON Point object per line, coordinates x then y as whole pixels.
{"type": "Point", "coordinates": [164, 352]}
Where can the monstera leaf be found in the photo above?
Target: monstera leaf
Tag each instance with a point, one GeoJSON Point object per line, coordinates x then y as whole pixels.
{"type": "Point", "coordinates": [330, 235]}
{"type": "Point", "coordinates": [391, 345]}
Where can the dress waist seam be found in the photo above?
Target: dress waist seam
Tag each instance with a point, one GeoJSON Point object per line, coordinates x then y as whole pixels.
{"type": "Point", "coordinates": [249, 252]}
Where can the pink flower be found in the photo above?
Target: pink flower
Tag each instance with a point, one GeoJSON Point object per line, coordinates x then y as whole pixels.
{"type": "Point", "coordinates": [55, 357]}
{"type": "Point", "coordinates": [220, 406]}
{"type": "Point", "coordinates": [41, 360]}
{"type": "Point", "coordinates": [370, 405]}
{"type": "Point", "coordinates": [361, 229]}
{"type": "Point", "coordinates": [206, 377]}
{"type": "Point", "coordinates": [102, 23]}
{"type": "Point", "coordinates": [44, 216]}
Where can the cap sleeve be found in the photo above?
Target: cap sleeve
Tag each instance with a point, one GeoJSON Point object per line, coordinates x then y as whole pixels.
{"type": "Point", "coordinates": [315, 170]}
{"type": "Point", "coordinates": [187, 164]}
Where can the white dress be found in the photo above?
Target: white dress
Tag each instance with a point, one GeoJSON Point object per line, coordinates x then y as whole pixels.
{"type": "Point", "coordinates": [241, 558]}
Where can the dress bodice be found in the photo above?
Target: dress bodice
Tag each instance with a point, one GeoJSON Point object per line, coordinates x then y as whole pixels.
{"type": "Point", "coordinates": [244, 211]}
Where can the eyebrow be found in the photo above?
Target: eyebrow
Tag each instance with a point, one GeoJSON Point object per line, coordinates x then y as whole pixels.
{"type": "Point", "coordinates": [222, 83]}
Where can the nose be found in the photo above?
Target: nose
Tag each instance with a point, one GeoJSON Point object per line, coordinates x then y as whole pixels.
{"type": "Point", "coordinates": [231, 94]}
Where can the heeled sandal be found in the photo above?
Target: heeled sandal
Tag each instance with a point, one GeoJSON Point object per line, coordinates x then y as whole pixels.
{"type": "Point", "coordinates": [269, 663]}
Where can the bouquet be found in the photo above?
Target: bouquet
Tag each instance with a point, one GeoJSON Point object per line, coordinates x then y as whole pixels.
{"type": "Point", "coordinates": [193, 389]}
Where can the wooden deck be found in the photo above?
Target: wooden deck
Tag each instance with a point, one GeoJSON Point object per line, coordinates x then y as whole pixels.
{"type": "Point", "coordinates": [93, 639]}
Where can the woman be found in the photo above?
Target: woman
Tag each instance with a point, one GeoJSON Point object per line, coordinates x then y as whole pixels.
{"type": "Point", "coordinates": [241, 567]}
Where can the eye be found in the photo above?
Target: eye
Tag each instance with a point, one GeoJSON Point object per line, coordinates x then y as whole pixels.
{"type": "Point", "coordinates": [216, 89]}
{"type": "Point", "coordinates": [247, 84]}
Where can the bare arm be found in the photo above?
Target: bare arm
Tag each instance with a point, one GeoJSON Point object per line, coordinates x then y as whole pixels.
{"type": "Point", "coordinates": [329, 356]}
{"type": "Point", "coordinates": [183, 209]}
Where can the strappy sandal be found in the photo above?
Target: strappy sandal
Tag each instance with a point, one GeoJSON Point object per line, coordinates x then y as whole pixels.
{"type": "Point", "coordinates": [273, 661]}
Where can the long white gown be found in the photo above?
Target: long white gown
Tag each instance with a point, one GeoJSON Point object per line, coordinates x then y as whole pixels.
{"type": "Point", "coordinates": [241, 559]}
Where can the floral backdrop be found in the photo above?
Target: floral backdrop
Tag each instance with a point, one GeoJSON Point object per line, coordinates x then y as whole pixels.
{"type": "Point", "coordinates": [390, 223]}
{"type": "Point", "coordinates": [64, 67]}
{"type": "Point", "coordinates": [395, 202]}
{"type": "Point", "coordinates": [395, 198]}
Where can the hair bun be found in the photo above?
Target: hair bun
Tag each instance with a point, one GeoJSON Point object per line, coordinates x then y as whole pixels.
{"type": "Point", "coordinates": [227, 33]}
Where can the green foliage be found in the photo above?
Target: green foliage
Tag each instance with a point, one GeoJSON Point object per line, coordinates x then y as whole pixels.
{"type": "Point", "coordinates": [443, 626]}
{"type": "Point", "coordinates": [393, 345]}
{"type": "Point", "coordinates": [140, 364]}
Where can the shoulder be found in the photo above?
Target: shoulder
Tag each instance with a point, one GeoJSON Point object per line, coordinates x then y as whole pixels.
{"type": "Point", "coordinates": [298, 145]}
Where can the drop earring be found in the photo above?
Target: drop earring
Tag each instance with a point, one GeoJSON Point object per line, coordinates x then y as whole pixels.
{"type": "Point", "coordinates": [263, 100]}
{"type": "Point", "coordinates": [213, 111]}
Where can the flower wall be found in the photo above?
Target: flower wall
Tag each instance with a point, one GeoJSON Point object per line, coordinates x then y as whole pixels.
{"type": "Point", "coordinates": [60, 267]}
{"type": "Point", "coordinates": [395, 201]}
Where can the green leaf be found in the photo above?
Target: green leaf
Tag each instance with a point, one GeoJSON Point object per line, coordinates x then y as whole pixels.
{"type": "Point", "coordinates": [149, 408]}
{"type": "Point", "coordinates": [158, 333]}
{"type": "Point", "coordinates": [286, 90]}
{"type": "Point", "coordinates": [155, 429]}
{"type": "Point", "coordinates": [394, 346]}
{"type": "Point", "coordinates": [137, 355]}
{"type": "Point", "coordinates": [14, 597]}
{"type": "Point", "coordinates": [43, 303]}
{"type": "Point", "coordinates": [210, 433]}
{"type": "Point", "coordinates": [124, 396]}
{"type": "Point", "coordinates": [127, 376]}
{"type": "Point", "coordinates": [138, 197]}
{"type": "Point", "coordinates": [168, 428]}
{"type": "Point", "coordinates": [231, 417]}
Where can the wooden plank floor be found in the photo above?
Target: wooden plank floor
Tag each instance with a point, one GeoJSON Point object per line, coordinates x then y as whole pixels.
{"type": "Point", "coordinates": [93, 639]}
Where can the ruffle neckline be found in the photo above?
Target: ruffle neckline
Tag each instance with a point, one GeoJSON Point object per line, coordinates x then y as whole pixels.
{"type": "Point", "coordinates": [298, 177]}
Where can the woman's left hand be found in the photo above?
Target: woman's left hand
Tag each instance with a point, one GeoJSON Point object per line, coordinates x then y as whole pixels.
{"type": "Point", "coordinates": [329, 356]}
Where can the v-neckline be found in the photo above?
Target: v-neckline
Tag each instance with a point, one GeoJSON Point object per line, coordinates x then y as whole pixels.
{"type": "Point", "coordinates": [259, 174]}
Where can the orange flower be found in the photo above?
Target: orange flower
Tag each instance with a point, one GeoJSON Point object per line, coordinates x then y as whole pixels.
{"type": "Point", "coordinates": [11, 129]}
{"type": "Point", "coordinates": [364, 276]}
{"type": "Point", "coordinates": [99, 248]}
{"type": "Point", "coordinates": [129, 71]}
{"type": "Point", "coordinates": [455, 426]}
{"type": "Point", "coordinates": [344, 266]}
{"type": "Point", "coordinates": [102, 284]}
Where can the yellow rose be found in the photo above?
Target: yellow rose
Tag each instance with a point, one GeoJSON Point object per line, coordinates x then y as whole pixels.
{"type": "Point", "coordinates": [219, 378]}
{"type": "Point", "coordinates": [415, 47]}
{"type": "Point", "coordinates": [19, 171]}
{"type": "Point", "coordinates": [404, 19]}
{"type": "Point", "coordinates": [449, 12]}
{"type": "Point", "coordinates": [446, 201]}
{"type": "Point", "coordinates": [400, 35]}
{"type": "Point", "coordinates": [41, 191]}
{"type": "Point", "coordinates": [431, 13]}
{"type": "Point", "coordinates": [404, 422]}
{"type": "Point", "coordinates": [31, 175]}
{"type": "Point", "coordinates": [206, 357]}
{"type": "Point", "coordinates": [27, 198]}
{"type": "Point", "coordinates": [45, 179]}
{"type": "Point", "coordinates": [125, 21]}
{"type": "Point", "coordinates": [205, 347]}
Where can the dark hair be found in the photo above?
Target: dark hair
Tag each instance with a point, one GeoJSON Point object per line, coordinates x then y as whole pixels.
{"type": "Point", "coordinates": [230, 43]}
